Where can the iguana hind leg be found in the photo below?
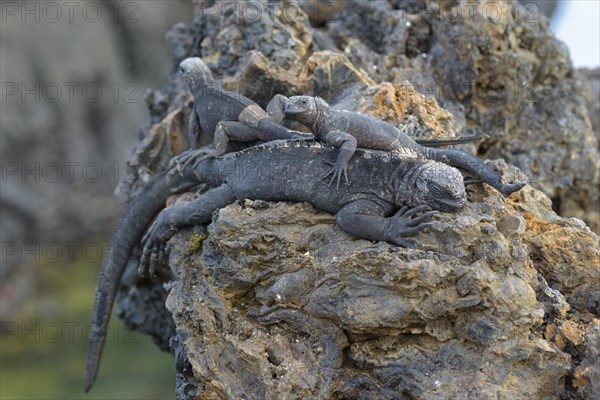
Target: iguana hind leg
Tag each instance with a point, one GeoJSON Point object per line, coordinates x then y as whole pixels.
{"type": "Point", "coordinates": [169, 221]}
{"type": "Point", "coordinates": [225, 131]}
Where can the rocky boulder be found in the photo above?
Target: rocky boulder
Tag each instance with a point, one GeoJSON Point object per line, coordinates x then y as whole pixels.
{"type": "Point", "coordinates": [498, 300]}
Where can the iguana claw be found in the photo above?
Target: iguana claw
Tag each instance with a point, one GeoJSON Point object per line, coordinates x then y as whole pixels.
{"type": "Point", "coordinates": [472, 181]}
{"type": "Point", "coordinates": [190, 158]}
{"type": "Point", "coordinates": [403, 223]}
{"type": "Point", "coordinates": [154, 244]}
{"type": "Point", "coordinates": [336, 171]}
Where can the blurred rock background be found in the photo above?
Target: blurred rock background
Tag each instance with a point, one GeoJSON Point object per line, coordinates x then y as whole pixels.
{"type": "Point", "coordinates": [73, 105]}
{"type": "Point", "coordinates": [74, 77]}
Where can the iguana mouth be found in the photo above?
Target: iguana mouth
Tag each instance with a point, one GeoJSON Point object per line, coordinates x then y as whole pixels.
{"type": "Point", "coordinates": [451, 204]}
{"type": "Point", "coordinates": [292, 112]}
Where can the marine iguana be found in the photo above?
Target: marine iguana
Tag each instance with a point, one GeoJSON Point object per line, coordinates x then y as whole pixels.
{"type": "Point", "coordinates": [347, 130]}
{"type": "Point", "coordinates": [277, 171]}
{"type": "Point", "coordinates": [230, 116]}
{"type": "Point", "coordinates": [225, 114]}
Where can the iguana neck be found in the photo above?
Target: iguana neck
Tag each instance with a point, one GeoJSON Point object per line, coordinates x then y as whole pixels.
{"type": "Point", "coordinates": [202, 80]}
{"type": "Point", "coordinates": [323, 115]}
{"type": "Point", "coordinates": [407, 184]}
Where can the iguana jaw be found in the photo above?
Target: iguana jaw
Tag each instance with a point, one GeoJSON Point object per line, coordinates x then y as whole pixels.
{"type": "Point", "coordinates": [293, 109]}
{"type": "Point", "coordinates": [449, 204]}
{"type": "Point", "coordinates": [292, 112]}
{"type": "Point", "coordinates": [302, 109]}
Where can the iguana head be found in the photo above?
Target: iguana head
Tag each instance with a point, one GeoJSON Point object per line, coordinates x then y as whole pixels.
{"type": "Point", "coordinates": [441, 187]}
{"type": "Point", "coordinates": [304, 109]}
{"type": "Point", "coordinates": [193, 70]}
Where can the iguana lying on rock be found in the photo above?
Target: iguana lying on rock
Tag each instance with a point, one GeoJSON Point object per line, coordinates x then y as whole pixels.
{"type": "Point", "coordinates": [225, 114]}
{"type": "Point", "coordinates": [277, 171]}
{"type": "Point", "coordinates": [346, 130]}
{"type": "Point", "coordinates": [230, 116]}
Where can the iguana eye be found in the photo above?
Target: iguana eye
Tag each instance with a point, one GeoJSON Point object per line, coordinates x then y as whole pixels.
{"type": "Point", "coordinates": [304, 102]}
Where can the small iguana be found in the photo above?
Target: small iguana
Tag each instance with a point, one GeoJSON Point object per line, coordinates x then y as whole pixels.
{"type": "Point", "coordinates": [347, 130]}
{"type": "Point", "coordinates": [225, 114]}
{"type": "Point", "coordinates": [277, 171]}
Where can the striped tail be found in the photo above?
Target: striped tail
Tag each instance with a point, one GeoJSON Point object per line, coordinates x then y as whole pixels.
{"type": "Point", "coordinates": [448, 142]}
{"type": "Point", "coordinates": [138, 214]}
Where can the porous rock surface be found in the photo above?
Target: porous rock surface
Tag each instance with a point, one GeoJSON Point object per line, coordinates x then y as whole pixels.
{"type": "Point", "coordinates": [500, 300]}
{"type": "Point", "coordinates": [280, 303]}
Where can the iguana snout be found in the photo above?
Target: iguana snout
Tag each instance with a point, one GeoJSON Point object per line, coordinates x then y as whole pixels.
{"type": "Point", "coordinates": [302, 109]}
{"type": "Point", "coordinates": [193, 71]}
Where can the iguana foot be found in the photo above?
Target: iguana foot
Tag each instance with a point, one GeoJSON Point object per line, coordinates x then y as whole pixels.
{"type": "Point", "coordinates": [202, 157]}
{"type": "Point", "coordinates": [178, 161]}
{"type": "Point", "coordinates": [191, 158]}
{"type": "Point", "coordinates": [471, 181]}
{"type": "Point", "coordinates": [336, 172]}
{"type": "Point", "coordinates": [154, 244]}
{"type": "Point", "coordinates": [507, 190]}
{"type": "Point", "coordinates": [403, 224]}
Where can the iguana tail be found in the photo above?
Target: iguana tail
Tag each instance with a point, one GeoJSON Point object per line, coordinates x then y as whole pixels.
{"type": "Point", "coordinates": [448, 142]}
{"type": "Point", "coordinates": [138, 214]}
{"type": "Point", "coordinates": [474, 165]}
{"type": "Point", "coordinates": [274, 131]}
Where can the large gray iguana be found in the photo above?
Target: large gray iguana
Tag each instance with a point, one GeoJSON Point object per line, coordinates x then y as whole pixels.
{"type": "Point", "coordinates": [347, 130]}
{"type": "Point", "coordinates": [382, 183]}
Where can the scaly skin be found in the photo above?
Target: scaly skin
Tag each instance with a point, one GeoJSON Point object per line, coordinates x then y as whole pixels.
{"type": "Point", "coordinates": [230, 116]}
{"type": "Point", "coordinates": [224, 114]}
{"type": "Point", "coordinates": [139, 211]}
{"type": "Point", "coordinates": [348, 130]}
{"type": "Point", "coordinates": [381, 183]}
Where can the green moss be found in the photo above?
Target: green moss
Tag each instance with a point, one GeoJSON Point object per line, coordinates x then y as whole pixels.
{"type": "Point", "coordinates": [195, 244]}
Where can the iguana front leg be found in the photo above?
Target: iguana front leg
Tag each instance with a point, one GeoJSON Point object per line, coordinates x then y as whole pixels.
{"type": "Point", "coordinates": [275, 108]}
{"type": "Point", "coordinates": [347, 145]}
{"type": "Point", "coordinates": [194, 131]}
{"type": "Point", "coordinates": [169, 221]}
{"type": "Point", "coordinates": [367, 219]}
